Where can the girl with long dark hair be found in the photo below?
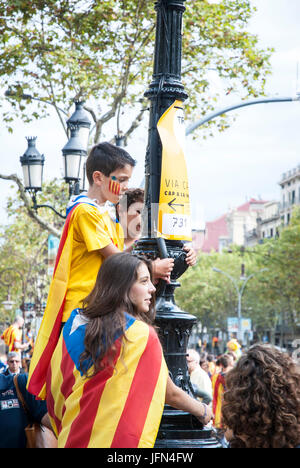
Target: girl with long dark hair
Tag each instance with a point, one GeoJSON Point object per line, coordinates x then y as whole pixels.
{"type": "Point", "coordinates": [108, 380]}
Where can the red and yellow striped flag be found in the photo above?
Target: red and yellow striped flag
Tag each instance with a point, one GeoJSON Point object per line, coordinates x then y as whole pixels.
{"type": "Point", "coordinates": [10, 336]}
{"type": "Point", "coordinates": [121, 406]}
{"type": "Point", "coordinates": [218, 382]}
{"type": "Point", "coordinates": [52, 320]}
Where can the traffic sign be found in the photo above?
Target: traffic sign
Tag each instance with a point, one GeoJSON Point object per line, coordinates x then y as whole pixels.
{"type": "Point", "coordinates": [174, 218]}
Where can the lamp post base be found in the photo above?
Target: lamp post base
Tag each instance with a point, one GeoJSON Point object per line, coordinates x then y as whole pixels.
{"type": "Point", "coordinates": [178, 428]}
{"type": "Point", "coordinates": [182, 430]}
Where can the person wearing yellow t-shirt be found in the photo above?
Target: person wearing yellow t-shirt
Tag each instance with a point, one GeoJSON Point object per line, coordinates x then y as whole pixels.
{"type": "Point", "coordinates": [89, 236]}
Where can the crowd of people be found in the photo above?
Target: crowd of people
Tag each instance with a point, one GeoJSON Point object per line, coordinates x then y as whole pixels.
{"type": "Point", "coordinates": [255, 395]}
{"type": "Point", "coordinates": [97, 352]}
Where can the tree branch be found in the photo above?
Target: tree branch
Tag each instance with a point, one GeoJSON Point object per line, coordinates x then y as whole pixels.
{"type": "Point", "coordinates": [31, 213]}
{"type": "Point", "coordinates": [136, 122]}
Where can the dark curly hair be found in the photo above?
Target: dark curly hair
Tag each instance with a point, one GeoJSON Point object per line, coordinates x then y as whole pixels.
{"type": "Point", "coordinates": [262, 400]}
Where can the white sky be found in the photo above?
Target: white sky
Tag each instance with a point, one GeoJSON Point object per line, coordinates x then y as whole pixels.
{"type": "Point", "coordinates": [245, 161]}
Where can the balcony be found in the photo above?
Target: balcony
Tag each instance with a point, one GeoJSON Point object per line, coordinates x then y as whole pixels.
{"type": "Point", "coordinates": [287, 205]}
{"type": "Point", "coordinates": [290, 175]}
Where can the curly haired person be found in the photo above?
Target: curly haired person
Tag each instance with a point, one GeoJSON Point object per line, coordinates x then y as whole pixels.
{"type": "Point", "coordinates": [261, 406]}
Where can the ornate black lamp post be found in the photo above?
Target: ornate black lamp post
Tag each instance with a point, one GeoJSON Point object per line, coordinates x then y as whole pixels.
{"type": "Point", "coordinates": [178, 429]}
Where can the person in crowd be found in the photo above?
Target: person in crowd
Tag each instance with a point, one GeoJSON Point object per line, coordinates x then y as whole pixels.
{"type": "Point", "coordinates": [233, 346]}
{"type": "Point", "coordinates": [212, 368]}
{"type": "Point", "coordinates": [215, 346]}
{"type": "Point", "coordinates": [3, 363]}
{"type": "Point", "coordinates": [199, 377]}
{"type": "Point", "coordinates": [108, 381]}
{"type": "Point", "coordinates": [261, 407]}
{"type": "Point", "coordinates": [89, 236]}
{"type": "Point", "coordinates": [129, 213]}
{"type": "Point", "coordinates": [225, 364]}
{"type": "Point", "coordinates": [204, 362]}
{"type": "Point", "coordinates": [14, 363]}
{"type": "Point", "coordinates": [30, 340]}
{"type": "Point", "coordinates": [12, 336]}
{"type": "Point", "coordinates": [13, 419]}
{"type": "Point", "coordinates": [232, 355]}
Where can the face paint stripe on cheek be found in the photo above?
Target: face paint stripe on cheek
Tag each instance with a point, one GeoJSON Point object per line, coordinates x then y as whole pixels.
{"type": "Point", "coordinates": [114, 186]}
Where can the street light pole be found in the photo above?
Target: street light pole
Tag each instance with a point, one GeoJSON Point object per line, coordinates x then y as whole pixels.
{"type": "Point", "coordinates": [177, 429]}
{"type": "Point", "coordinates": [240, 292]}
{"type": "Point", "coordinates": [232, 107]}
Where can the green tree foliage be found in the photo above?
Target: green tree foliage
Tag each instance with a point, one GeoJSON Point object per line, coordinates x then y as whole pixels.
{"type": "Point", "coordinates": [282, 258]}
{"type": "Point", "coordinates": [101, 51]}
{"type": "Point", "coordinates": [23, 250]}
{"type": "Point", "coordinates": [209, 295]}
{"type": "Point", "coordinates": [271, 297]}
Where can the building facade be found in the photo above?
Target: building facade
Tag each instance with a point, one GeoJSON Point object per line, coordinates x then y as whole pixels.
{"type": "Point", "coordinates": [253, 221]}
{"type": "Point", "coordinates": [233, 227]}
{"type": "Point", "coordinates": [290, 193]}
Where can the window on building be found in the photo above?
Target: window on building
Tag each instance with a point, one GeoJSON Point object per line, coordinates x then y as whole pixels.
{"type": "Point", "coordinates": [271, 232]}
{"type": "Point", "coordinates": [293, 197]}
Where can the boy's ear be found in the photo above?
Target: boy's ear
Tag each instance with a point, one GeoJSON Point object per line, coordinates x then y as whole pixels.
{"type": "Point", "coordinates": [98, 177]}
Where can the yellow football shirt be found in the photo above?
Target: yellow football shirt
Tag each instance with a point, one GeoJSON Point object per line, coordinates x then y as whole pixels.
{"type": "Point", "coordinates": [93, 230]}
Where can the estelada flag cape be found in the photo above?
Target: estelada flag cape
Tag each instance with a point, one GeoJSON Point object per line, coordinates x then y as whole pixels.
{"type": "Point", "coordinates": [218, 391]}
{"type": "Point", "coordinates": [52, 320]}
{"type": "Point", "coordinates": [10, 335]}
{"type": "Point", "coordinates": [121, 406]}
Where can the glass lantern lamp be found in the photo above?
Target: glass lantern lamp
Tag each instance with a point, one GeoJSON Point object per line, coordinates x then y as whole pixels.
{"type": "Point", "coordinates": [81, 120]}
{"type": "Point", "coordinates": [74, 154]}
{"type": "Point", "coordinates": [32, 164]}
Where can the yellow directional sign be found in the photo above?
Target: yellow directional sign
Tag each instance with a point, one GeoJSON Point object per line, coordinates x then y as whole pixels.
{"type": "Point", "coordinates": [174, 218]}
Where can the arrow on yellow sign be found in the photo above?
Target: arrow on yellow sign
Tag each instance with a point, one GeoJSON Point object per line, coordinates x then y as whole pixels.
{"type": "Point", "coordinates": [171, 204]}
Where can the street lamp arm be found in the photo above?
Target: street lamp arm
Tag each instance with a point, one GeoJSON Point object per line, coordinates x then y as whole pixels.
{"type": "Point", "coordinates": [28, 207]}
{"type": "Point", "coordinates": [224, 110]}
{"type": "Point", "coordinates": [249, 277]}
{"type": "Point", "coordinates": [217, 270]}
{"type": "Point", "coordinates": [51, 208]}
{"type": "Point", "coordinates": [36, 206]}
{"type": "Point", "coordinates": [245, 282]}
